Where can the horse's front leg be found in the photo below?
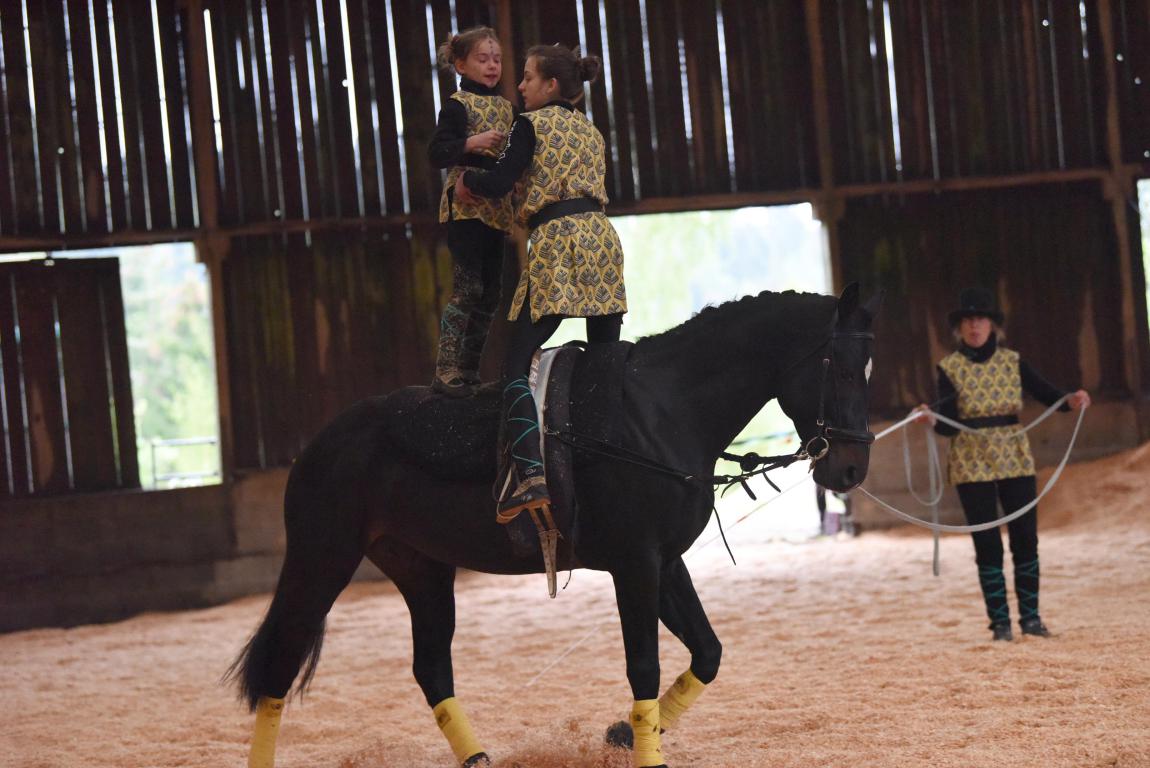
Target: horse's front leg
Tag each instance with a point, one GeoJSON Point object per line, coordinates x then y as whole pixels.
{"type": "Point", "coordinates": [637, 595]}
{"type": "Point", "coordinates": [428, 588]}
{"type": "Point", "coordinates": [682, 613]}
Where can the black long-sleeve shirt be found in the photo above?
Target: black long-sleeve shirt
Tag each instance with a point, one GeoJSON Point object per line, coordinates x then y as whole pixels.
{"type": "Point", "coordinates": [448, 142]}
{"type": "Point", "coordinates": [514, 161]}
{"type": "Point", "coordinates": [1033, 384]}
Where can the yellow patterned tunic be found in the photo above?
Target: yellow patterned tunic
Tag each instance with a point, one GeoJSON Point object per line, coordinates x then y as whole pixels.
{"type": "Point", "coordinates": [484, 113]}
{"type": "Point", "coordinates": [990, 388]}
{"type": "Point", "coordinates": [575, 265]}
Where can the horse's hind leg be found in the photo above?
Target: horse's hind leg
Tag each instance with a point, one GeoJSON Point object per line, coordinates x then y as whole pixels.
{"type": "Point", "coordinates": [290, 636]}
{"type": "Point", "coordinates": [428, 588]}
{"type": "Point", "coordinates": [682, 613]}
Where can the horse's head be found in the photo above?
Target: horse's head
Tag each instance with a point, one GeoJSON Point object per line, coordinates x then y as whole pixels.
{"type": "Point", "coordinates": [825, 395]}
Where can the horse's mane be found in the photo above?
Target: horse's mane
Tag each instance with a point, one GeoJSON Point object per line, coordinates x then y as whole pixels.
{"type": "Point", "coordinates": [711, 320]}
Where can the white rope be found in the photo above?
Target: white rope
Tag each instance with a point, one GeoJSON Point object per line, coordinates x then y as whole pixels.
{"type": "Point", "coordinates": [938, 527]}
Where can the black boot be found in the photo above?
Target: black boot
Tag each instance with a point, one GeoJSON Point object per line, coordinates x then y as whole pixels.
{"type": "Point", "coordinates": [1034, 626]}
{"type": "Point", "coordinates": [449, 379]}
{"type": "Point", "coordinates": [993, 583]}
{"type": "Point", "coordinates": [1002, 631]}
{"type": "Point", "coordinates": [525, 486]}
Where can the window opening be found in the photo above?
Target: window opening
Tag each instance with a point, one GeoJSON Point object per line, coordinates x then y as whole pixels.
{"type": "Point", "coordinates": [171, 354]}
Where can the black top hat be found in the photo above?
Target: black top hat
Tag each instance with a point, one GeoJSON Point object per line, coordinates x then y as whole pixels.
{"type": "Point", "coordinates": [975, 302]}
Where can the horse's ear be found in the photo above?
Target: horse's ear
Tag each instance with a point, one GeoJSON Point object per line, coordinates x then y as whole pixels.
{"type": "Point", "coordinates": [848, 303]}
{"type": "Point", "coordinates": [874, 303]}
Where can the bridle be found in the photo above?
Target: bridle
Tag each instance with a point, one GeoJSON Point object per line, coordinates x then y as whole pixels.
{"type": "Point", "coordinates": [818, 446]}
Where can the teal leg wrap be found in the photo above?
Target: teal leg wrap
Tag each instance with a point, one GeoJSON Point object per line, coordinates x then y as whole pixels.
{"type": "Point", "coordinates": [522, 427]}
{"type": "Point", "coordinates": [1026, 587]}
{"type": "Point", "coordinates": [993, 582]}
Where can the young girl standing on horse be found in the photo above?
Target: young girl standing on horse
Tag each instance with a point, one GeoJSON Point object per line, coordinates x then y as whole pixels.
{"type": "Point", "coordinates": [981, 385]}
{"type": "Point", "coordinates": [471, 131]}
{"type": "Point", "coordinates": [575, 265]}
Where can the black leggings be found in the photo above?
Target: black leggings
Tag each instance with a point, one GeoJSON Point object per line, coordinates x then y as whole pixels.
{"type": "Point", "coordinates": [526, 337]}
{"type": "Point", "coordinates": [979, 503]}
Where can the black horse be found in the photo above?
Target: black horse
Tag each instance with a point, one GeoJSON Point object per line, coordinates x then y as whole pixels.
{"type": "Point", "coordinates": [356, 490]}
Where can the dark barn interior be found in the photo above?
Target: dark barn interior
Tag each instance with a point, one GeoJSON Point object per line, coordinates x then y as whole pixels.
{"type": "Point", "coordinates": [941, 142]}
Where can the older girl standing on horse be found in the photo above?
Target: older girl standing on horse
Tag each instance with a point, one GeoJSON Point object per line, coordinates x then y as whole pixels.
{"type": "Point", "coordinates": [471, 131]}
{"type": "Point", "coordinates": [575, 267]}
{"type": "Point", "coordinates": [981, 385]}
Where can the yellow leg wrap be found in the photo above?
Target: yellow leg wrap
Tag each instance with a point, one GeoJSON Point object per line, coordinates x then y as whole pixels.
{"type": "Point", "coordinates": [452, 720]}
{"type": "Point", "coordinates": [268, 712]}
{"type": "Point", "coordinates": [678, 697]}
{"type": "Point", "coordinates": [645, 727]}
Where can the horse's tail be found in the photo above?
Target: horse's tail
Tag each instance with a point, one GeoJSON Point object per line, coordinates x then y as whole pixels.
{"type": "Point", "coordinates": [319, 562]}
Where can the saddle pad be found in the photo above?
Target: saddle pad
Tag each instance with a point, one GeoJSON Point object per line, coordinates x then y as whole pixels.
{"type": "Point", "coordinates": [452, 438]}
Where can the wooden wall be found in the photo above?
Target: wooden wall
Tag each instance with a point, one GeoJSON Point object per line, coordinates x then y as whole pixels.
{"type": "Point", "coordinates": [287, 139]}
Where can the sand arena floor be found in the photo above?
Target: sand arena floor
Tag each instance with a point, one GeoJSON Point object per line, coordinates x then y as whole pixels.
{"type": "Point", "coordinates": [837, 653]}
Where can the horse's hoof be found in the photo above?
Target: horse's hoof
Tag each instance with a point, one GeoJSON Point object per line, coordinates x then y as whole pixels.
{"type": "Point", "coordinates": [620, 735]}
{"type": "Point", "coordinates": [478, 760]}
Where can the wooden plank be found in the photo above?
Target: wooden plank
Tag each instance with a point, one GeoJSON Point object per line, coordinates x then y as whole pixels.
{"type": "Point", "coordinates": [231, 187]}
{"type": "Point", "coordinates": [35, 299]}
{"type": "Point", "coordinates": [388, 125]}
{"type": "Point", "coordinates": [367, 171]}
{"type": "Point", "coordinates": [267, 112]}
{"type": "Point", "coordinates": [306, 177]}
{"type": "Point", "coordinates": [791, 81]}
{"type": "Point", "coordinates": [1080, 137]}
{"type": "Point", "coordinates": [848, 83]}
{"type": "Point", "coordinates": [45, 35]}
{"type": "Point", "coordinates": [641, 98]}
{"type": "Point", "coordinates": [282, 26]}
{"type": "Point", "coordinates": [335, 115]}
{"type": "Point", "coordinates": [150, 109]}
{"type": "Point", "coordinates": [86, 374]}
{"type": "Point", "coordinates": [705, 86]}
{"type": "Point", "coordinates": [87, 163]}
{"type": "Point", "coordinates": [116, 338]}
{"type": "Point", "coordinates": [24, 212]}
{"type": "Point", "coordinates": [241, 335]}
{"type": "Point", "coordinates": [16, 473]}
{"type": "Point", "coordinates": [947, 96]}
{"type": "Point", "coordinates": [913, 102]}
{"type": "Point", "coordinates": [245, 107]}
{"type": "Point", "coordinates": [558, 23]}
{"type": "Point", "coordinates": [674, 156]}
{"type": "Point", "coordinates": [423, 181]}
{"type": "Point", "coordinates": [473, 13]}
{"type": "Point", "coordinates": [116, 197]}
{"type": "Point", "coordinates": [173, 27]}
{"type": "Point", "coordinates": [143, 195]}
{"type": "Point", "coordinates": [263, 378]}
{"type": "Point", "coordinates": [313, 332]}
{"type": "Point", "coordinates": [1128, 23]}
